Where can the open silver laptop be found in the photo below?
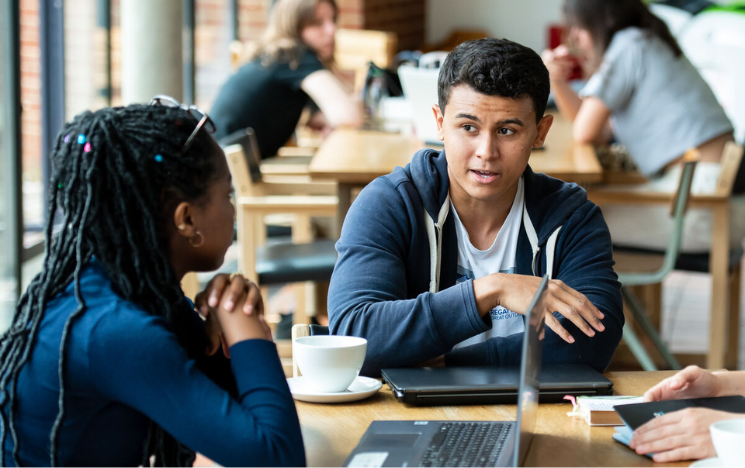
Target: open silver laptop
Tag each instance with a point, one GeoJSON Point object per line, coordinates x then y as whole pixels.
{"type": "Point", "coordinates": [464, 443]}
{"type": "Point", "coordinates": [420, 90]}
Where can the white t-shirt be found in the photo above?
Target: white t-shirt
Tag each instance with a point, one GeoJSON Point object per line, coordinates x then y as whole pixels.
{"type": "Point", "coordinates": [499, 258]}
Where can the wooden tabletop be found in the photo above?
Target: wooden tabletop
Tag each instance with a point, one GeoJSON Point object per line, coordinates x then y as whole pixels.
{"type": "Point", "coordinates": [359, 156]}
{"type": "Point", "coordinates": [331, 431]}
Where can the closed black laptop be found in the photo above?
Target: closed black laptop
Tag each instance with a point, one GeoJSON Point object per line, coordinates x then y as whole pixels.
{"type": "Point", "coordinates": [490, 385]}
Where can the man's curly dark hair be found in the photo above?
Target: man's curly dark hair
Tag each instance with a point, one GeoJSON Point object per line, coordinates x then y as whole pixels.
{"type": "Point", "coordinates": [495, 67]}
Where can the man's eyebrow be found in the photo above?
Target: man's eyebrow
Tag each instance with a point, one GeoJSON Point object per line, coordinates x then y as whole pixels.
{"type": "Point", "coordinates": [467, 116]}
{"type": "Point", "coordinates": [515, 121]}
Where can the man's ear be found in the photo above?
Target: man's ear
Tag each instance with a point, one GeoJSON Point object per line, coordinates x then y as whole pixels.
{"type": "Point", "coordinates": [544, 125]}
{"type": "Point", "coordinates": [183, 219]}
{"type": "Point", "coordinates": [438, 119]}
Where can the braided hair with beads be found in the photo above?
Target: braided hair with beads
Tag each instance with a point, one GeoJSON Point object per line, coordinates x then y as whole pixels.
{"type": "Point", "coordinates": [116, 171]}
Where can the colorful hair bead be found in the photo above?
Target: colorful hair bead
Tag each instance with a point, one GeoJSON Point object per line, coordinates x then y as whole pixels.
{"type": "Point", "coordinates": [67, 138]}
{"type": "Point", "coordinates": [81, 139]}
{"type": "Point", "coordinates": [158, 158]}
{"type": "Point", "coordinates": [87, 148]}
{"type": "Point", "coordinates": [60, 185]}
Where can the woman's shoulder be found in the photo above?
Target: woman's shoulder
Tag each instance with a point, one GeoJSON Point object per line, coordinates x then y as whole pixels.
{"type": "Point", "coordinates": [627, 39]}
{"type": "Point", "coordinates": [103, 304]}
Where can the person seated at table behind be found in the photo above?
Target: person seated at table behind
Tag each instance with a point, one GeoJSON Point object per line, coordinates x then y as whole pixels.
{"type": "Point", "coordinates": [684, 434]}
{"type": "Point", "coordinates": [291, 63]}
{"type": "Point", "coordinates": [644, 93]}
{"type": "Point", "coordinates": [106, 363]}
{"type": "Point", "coordinates": [443, 256]}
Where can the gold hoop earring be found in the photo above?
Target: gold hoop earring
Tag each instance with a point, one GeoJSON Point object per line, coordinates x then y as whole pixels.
{"type": "Point", "coordinates": [201, 240]}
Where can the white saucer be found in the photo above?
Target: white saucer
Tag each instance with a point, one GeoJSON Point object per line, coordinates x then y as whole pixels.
{"type": "Point", "coordinates": [361, 388]}
{"type": "Point", "coordinates": [707, 462]}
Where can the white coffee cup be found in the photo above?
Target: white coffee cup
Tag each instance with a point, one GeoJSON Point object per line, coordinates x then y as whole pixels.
{"type": "Point", "coordinates": [729, 441]}
{"type": "Point", "coordinates": [329, 363]}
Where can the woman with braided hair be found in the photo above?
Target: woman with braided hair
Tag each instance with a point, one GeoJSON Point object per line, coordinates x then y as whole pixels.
{"type": "Point", "coordinates": [106, 362]}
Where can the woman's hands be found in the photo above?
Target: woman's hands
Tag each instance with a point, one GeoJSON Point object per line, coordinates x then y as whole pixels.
{"type": "Point", "coordinates": [559, 63]}
{"type": "Point", "coordinates": [234, 311]}
{"type": "Point", "coordinates": [514, 292]}
{"type": "Point", "coordinates": [691, 382]}
{"type": "Point", "coordinates": [682, 435]}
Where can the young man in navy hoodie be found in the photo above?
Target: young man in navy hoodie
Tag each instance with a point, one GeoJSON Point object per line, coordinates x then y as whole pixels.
{"type": "Point", "coordinates": [438, 260]}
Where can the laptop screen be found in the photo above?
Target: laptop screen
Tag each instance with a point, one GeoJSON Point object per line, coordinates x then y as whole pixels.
{"type": "Point", "coordinates": [535, 324]}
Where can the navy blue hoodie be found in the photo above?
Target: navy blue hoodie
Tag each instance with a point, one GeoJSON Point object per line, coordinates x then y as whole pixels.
{"type": "Point", "coordinates": [388, 267]}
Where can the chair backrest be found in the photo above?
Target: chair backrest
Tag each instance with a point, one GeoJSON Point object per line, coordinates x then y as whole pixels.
{"type": "Point", "coordinates": [732, 176]}
{"type": "Point", "coordinates": [678, 209]}
{"type": "Point", "coordinates": [247, 139]}
{"type": "Point", "coordinates": [356, 48]}
{"type": "Point", "coordinates": [243, 182]}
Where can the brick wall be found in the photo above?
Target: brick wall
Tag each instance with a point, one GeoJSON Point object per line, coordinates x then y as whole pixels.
{"type": "Point", "coordinates": [30, 89]}
{"type": "Point", "coordinates": [404, 17]}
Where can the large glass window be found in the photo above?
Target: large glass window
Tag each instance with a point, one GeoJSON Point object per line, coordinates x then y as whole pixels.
{"type": "Point", "coordinates": [86, 55]}
{"type": "Point", "coordinates": [212, 48]}
{"type": "Point", "coordinates": [31, 123]}
{"type": "Point", "coordinates": [9, 202]}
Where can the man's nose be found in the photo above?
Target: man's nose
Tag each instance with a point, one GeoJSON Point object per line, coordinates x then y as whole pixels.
{"type": "Point", "coordinates": [487, 146]}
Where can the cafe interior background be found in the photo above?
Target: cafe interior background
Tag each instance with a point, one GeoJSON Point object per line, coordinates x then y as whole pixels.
{"type": "Point", "coordinates": [60, 57]}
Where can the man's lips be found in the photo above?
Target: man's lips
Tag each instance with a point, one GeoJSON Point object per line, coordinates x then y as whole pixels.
{"type": "Point", "coordinates": [484, 176]}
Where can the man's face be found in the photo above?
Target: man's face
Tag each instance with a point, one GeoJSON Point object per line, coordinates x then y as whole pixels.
{"type": "Point", "coordinates": [488, 140]}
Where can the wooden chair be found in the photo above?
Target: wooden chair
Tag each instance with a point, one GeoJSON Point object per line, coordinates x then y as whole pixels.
{"type": "Point", "coordinates": [297, 199]}
{"type": "Point", "coordinates": [356, 48]}
{"type": "Point", "coordinates": [641, 260]}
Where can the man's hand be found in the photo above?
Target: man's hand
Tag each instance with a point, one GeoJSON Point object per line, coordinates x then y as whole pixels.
{"type": "Point", "coordinates": [691, 382]}
{"type": "Point", "coordinates": [514, 292]}
{"type": "Point", "coordinates": [680, 435]}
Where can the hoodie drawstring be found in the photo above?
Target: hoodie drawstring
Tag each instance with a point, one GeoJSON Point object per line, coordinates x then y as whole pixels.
{"type": "Point", "coordinates": [434, 235]}
{"type": "Point", "coordinates": [550, 245]}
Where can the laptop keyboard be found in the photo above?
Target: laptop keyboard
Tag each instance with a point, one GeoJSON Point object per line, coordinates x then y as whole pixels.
{"type": "Point", "coordinates": [467, 444]}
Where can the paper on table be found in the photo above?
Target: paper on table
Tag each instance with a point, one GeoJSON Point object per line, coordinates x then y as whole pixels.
{"type": "Point", "coordinates": [623, 434]}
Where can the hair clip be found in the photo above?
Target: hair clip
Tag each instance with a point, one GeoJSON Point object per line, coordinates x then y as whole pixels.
{"type": "Point", "coordinates": [67, 138]}
{"type": "Point", "coordinates": [87, 148]}
{"type": "Point", "coordinates": [158, 158]}
{"type": "Point", "coordinates": [81, 139]}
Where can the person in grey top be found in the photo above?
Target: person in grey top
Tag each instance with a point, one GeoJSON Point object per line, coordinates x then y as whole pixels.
{"type": "Point", "coordinates": [645, 94]}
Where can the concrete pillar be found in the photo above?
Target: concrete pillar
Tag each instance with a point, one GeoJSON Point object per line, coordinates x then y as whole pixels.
{"type": "Point", "coordinates": [152, 52]}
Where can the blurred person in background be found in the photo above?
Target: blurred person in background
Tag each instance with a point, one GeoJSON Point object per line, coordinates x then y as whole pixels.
{"type": "Point", "coordinates": [643, 93]}
{"type": "Point", "coordinates": [290, 66]}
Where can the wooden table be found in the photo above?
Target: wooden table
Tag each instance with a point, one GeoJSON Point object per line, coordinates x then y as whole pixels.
{"type": "Point", "coordinates": [331, 431]}
{"type": "Point", "coordinates": [353, 158]}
